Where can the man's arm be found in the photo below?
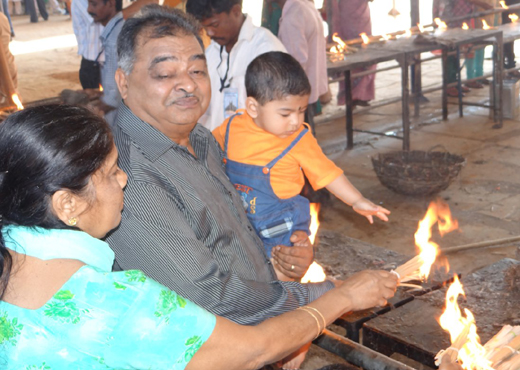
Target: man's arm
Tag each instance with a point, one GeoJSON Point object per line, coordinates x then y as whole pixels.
{"type": "Point", "coordinates": [168, 250]}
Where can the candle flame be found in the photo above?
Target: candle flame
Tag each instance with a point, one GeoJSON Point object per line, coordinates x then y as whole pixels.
{"type": "Point", "coordinates": [442, 25]}
{"type": "Point", "coordinates": [503, 4]}
{"type": "Point", "coordinates": [16, 100]}
{"type": "Point", "coordinates": [408, 33]}
{"type": "Point", "coordinates": [365, 38]}
{"type": "Point", "coordinates": [465, 26]}
{"type": "Point", "coordinates": [100, 87]}
{"type": "Point", "coordinates": [513, 17]}
{"type": "Point", "coordinates": [315, 272]}
{"type": "Point", "coordinates": [485, 25]}
{"type": "Point", "coordinates": [466, 347]}
{"type": "Point", "coordinates": [421, 27]}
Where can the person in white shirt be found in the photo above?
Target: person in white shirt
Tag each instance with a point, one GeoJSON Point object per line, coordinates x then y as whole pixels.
{"type": "Point", "coordinates": [236, 41]}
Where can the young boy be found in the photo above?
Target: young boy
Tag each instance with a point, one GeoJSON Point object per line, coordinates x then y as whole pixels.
{"type": "Point", "coordinates": [267, 146]}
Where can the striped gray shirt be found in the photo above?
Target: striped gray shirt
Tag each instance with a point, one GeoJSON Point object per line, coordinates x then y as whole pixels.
{"type": "Point", "coordinates": [184, 226]}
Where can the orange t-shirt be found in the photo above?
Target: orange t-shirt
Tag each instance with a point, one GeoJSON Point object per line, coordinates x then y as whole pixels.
{"type": "Point", "coordinates": [250, 144]}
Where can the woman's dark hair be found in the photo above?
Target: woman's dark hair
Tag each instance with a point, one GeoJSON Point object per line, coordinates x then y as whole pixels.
{"type": "Point", "coordinates": [42, 150]}
{"type": "Point", "coordinates": [274, 76]}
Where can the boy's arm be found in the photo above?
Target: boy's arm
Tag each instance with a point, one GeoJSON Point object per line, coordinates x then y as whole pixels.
{"type": "Point", "coordinates": [342, 188]}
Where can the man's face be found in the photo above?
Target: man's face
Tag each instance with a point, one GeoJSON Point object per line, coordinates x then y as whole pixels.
{"type": "Point", "coordinates": [169, 86]}
{"type": "Point", "coordinates": [101, 11]}
{"type": "Point", "coordinates": [224, 28]}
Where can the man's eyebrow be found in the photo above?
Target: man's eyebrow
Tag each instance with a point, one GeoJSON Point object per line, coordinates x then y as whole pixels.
{"type": "Point", "coordinates": [201, 56]}
{"type": "Point", "coordinates": [161, 59]}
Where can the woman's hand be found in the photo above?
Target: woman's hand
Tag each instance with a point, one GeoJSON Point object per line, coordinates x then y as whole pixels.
{"type": "Point", "coordinates": [369, 288]}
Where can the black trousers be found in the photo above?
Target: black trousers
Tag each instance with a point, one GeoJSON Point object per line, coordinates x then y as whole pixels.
{"type": "Point", "coordinates": [31, 9]}
{"type": "Point", "coordinates": [89, 74]}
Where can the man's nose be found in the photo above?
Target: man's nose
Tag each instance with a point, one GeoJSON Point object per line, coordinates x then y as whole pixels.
{"type": "Point", "coordinates": [186, 83]}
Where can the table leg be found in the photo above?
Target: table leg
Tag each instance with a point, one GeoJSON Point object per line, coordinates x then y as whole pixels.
{"type": "Point", "coordinates": [444, 83]}
{"type": "Point", "coordinates": [349, 111]}
{"type": "Point", "coordinates": [498, 75]}
{"type": "Point", "coordinates": [459, 81]}
{"type": "Point", "coordinates": [405, 99]}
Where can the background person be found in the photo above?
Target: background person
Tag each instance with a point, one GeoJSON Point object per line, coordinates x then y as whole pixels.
{"type": "Point", "coordinates": [235, 43]}
{"type": "Point", "coordinates": [60, 191]}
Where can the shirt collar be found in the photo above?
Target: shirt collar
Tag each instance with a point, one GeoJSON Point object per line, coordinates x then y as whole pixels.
{"type": "Point", "coordinates": [111, 24]}
{"type": "Point", "coordinates": [152, 142]}
{"type": "Point", "coordinates": [247, 31]}
{"type": "Point", "coordinates": [47, 244]}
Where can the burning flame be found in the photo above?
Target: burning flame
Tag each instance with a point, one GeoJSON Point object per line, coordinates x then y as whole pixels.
{"type": "Point", "coordinates": [466, 345]}
{"type": "Point", "coordinates": [365, 38]}
{"type": "Point", "coordinates": [386, 37]}
{"type": "Point", "coordinates": [442, 25]}
{"type": "Point", "coordinates": [421, 27]}
{"type": "Point", "coordinates": [513, 17]}
{"type": "Point", "coordinates": [485, 25]}
{"type": "Point", "coordinates": [440, 212]}
{"type": "Point", "coordinates": [17, 101]}
{"type": "Point", "coordinates": [100, 87]}
{"type": "Point", "coordinates": [503, 4]}
{"type": "Point", "coordinates": [341, 47]}
{"type": "Point", "coordinates": [408, 33]}
{"type": "Point", "coordinates": [315, 272]}
{"type": "Point", "coordinates": [465, 26]}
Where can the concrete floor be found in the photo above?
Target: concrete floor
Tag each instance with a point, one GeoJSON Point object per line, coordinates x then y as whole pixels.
{"type": "Point", "coordinates": [485, 198]}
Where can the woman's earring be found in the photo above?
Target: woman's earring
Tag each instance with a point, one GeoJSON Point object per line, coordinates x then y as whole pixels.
{"type": "Point", "coordinates": [73, 221]}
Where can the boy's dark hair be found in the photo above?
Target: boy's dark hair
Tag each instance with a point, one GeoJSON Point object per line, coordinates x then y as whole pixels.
{"type": "Point", "coordinates": [203, 9]}
{"type": "Point", "coordinates": [275, 75]}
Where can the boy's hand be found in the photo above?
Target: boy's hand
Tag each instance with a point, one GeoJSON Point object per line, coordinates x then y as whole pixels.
{"type": "Point", "coordinates": [368, 209]}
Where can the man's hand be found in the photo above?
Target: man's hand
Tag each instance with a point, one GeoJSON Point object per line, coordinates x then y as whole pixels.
{"type": "Point", "coordinates": [294, 261]}
{"type": "Point", "coordinates": [368, 209]}
{"type": "Point", "coordinates": [369, 288]}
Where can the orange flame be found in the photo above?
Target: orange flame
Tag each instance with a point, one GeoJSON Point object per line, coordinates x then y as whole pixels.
{"type": "Point", "coordinates": [315, 272]}
{"type": "Point", "coordinates": [485, 25]}
{"type": "Point", "coordinates": [465, 26]}
{"type": "Point", "coordinates": [386, 37]}
{"type": "Point", "coordinates": [365, 38]}
{"type": "Point", "coordinates": [466, 345]}
{"type": "Point", "coordinates": [437, 212]}
{"type": "Point", "coordinates": [442, 25]}
{"type": "Point", "coordinates": [100, 87]}
{"type": "Point", "coordinates": [408, 33]}
{"type": "Point", "coordinates": [513, 17]}
{"type": "Point", "coordinates": [341, 46]}
{"type": "Point", "coordinates": [16, 99]}
{"type": "Point", "coordinates": [503, 4]}
{"type": "Point", "coordinates": [421, 27]}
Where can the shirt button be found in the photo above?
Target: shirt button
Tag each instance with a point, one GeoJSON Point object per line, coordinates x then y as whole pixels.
{"type": "Point", "coordinates": [249, 228]}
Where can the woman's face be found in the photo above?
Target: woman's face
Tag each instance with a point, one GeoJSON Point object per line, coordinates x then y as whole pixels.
{"type": "Point", "coordinates": [104, 211]}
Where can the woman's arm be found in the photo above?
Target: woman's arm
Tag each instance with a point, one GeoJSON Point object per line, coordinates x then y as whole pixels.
{"type": "Point", "coordinates": [232, 346]}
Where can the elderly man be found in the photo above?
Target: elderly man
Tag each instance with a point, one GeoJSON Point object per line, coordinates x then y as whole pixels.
{"type": "Point", "coordinates": [235, 43]}
{"type": "Point", "coordinates": [183, 222]}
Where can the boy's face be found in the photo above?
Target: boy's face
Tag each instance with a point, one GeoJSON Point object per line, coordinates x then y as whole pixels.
{"type": "Point", "coordinates": [279, 117]}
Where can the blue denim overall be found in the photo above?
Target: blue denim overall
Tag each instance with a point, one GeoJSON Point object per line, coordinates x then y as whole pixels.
{"type": "Point", "coordinates": [274, 219]}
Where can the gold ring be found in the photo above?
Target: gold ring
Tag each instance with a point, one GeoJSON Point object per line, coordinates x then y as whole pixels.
{"type": "Point", "coordinates": [292, 267]}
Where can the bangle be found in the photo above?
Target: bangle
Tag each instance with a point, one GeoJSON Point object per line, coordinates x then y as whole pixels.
{"type": "Point", "coordinates": [319, 313]}
{"type": "Point", "coordinates": [315, 318]}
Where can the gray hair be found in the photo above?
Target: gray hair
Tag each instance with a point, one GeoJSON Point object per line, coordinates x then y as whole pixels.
{"type": "Point", "coordinates": [157, 22]}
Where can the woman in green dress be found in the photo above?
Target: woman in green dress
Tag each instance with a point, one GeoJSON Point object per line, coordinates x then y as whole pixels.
{"type": "Point", "coordinates": [61, 307]}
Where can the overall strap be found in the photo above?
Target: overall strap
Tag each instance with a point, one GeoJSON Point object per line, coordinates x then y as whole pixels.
{"type": "Point", "coordinates": [227, 133]}
{"type": "Point", "coordinates": [282, 154]}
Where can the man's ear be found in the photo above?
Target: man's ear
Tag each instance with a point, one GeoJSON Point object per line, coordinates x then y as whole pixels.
{"type": "Point", "coordinates": [236, 10]}
{"type": "Point", "coordinates": [252, 107]}
{"type": "Point", "coordinates": [122, 83]}
{"type": "Point", "coordinates": [67, 205]}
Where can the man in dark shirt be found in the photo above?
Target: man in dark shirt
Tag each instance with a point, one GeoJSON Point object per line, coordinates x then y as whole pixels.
{"type": "Point", "coordinates": [183, 223]}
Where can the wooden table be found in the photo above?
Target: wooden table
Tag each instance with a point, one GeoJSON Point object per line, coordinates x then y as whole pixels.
{"type": "Point", "coordinates": [404, 50]}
